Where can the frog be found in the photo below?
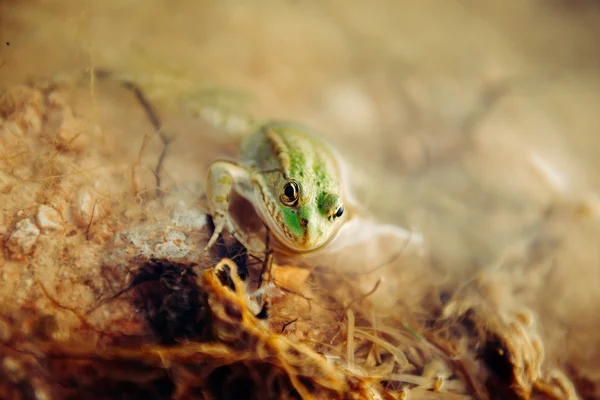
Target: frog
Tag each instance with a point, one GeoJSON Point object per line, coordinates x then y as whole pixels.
{"type": "Point", "coordinates": [285, 171]}
{"type": "Point", "coordinates": [297, 184]}
{"type": "Point", "coordinates": [292, 178]}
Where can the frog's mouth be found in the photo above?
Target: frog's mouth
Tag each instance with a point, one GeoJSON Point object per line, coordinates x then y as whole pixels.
{"type": "Point", "coordinates": [290, 246]}
{"type": "Point", "coordinates": [285, 243]}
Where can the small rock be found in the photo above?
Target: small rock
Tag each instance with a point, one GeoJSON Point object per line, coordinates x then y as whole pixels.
{"type": "Point", "coordinates": [22, 239]}
{"type": "Point", "coordinates": [174, 247]}
{"type": "Point", "coordinates": [158, 240]}
{"type": "Point", "coordinates": [190, 219]}
{"type": "Point", "coordinates": [84, 208]}
{"type": "Point", "coordinates": [48, 219]}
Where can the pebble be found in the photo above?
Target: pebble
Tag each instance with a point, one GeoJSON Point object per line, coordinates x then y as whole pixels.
{"type": "Point", "coordinates": [21, 241]}
{"type": "Point", "coordinates": [174, 246]}
{"type": "Point", "coordinates": [48, 219]}
{"type": "Point", "coordinates": [83, 207]}
{"type": "Point", "coordinates": [190, 219]}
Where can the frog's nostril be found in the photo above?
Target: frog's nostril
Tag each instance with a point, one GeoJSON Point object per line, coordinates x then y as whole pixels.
{"type": "Point", "coordinates": [304, 222]}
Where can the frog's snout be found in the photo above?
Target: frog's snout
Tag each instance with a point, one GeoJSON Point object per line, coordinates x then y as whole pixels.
{"type": "Point", "coordinates": [313, 234]}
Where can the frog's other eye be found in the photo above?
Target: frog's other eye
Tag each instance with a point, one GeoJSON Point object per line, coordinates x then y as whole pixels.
{"type": "Point", "coordinates": [291, 193]}
{"type": "Point", "coordinates": [339, 212]}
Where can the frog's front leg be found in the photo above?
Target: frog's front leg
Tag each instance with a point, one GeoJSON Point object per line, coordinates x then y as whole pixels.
{"type": "Point", "coordinates": [223, 177]}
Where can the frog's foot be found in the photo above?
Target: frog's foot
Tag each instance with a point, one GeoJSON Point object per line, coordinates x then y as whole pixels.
{"type": "Point", "coordinates": [222, 223]}
{"type": "Point", "coordinates": [212, 240]}
{"type": "Point", "coordinates": [223, 178]}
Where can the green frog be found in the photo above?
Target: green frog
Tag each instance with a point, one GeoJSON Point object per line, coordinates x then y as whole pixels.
{"type": "Point", "coordinates": [293, 180]}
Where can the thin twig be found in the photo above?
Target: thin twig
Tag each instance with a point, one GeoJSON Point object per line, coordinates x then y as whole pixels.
{"type": "Point", "coordinates": [267, 263]}
{"type": "Point", "coordinates": [155, 121]}
{"type": "Point", "coordinates": [166, 141]}
{"type": "Point", "coordinates": [152, 115]}
{"type": "Point", "coordinates": [287, 324]}
{"type": "Point", "coordinates": [393, 258]}
{"type": "Point", "coordinates": [362, 297]}
{"type": "Point", "coordinates": [87, 231]}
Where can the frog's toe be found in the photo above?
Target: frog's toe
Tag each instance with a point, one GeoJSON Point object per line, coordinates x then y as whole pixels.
{"type": "Point", "coordinates": [212, 241]}
{"type": "Point", "coordinates": [219, 226]}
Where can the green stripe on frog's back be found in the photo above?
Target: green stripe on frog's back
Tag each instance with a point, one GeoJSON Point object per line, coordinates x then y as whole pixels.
{"type": "Point", "coordinates": [303, 156]}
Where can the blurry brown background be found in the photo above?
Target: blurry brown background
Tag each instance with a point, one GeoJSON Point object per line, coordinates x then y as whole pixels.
{"type": "Point", "coordinates": [475, 122]}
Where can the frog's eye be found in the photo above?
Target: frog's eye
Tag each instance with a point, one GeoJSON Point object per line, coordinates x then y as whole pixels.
{"type": "Point", "coordinates": [290, 194]}
{"type": "Point", "coordinates": [339, 212]}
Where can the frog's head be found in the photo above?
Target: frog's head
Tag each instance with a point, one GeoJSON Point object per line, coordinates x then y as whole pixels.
{"type": "Point", "coordinates": [305, 217]}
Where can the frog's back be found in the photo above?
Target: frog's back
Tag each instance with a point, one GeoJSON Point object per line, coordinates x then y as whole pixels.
{"type": "Point", "coordinates": [294, 151]}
